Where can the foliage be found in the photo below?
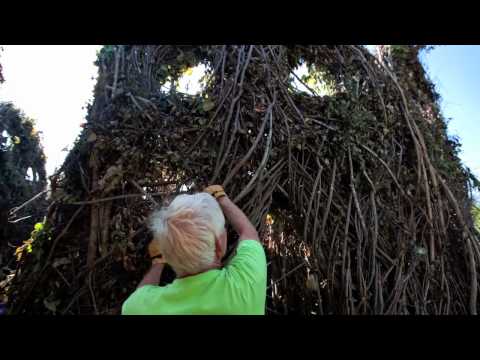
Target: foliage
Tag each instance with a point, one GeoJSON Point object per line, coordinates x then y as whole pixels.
{"type": "Point", "coordinates": [476, 215]}
{"type": "Point", "coordinates": [20, 150]}
{"type": "Point", "coordinates": [28, 244]}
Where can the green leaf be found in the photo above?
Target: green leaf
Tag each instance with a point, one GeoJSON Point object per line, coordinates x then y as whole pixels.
{"type": "Point", "coordinates": [311, 82]}
{"type": "Point", "coordinates": [421, 251]}
{"type": "Point", "coordinates": [38, 226]}
{"type": "Point", "coordinates": [475, 181]}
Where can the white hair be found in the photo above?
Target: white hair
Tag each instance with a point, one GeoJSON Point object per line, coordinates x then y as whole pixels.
{"type": "Point", "coordinates": [186, 231]}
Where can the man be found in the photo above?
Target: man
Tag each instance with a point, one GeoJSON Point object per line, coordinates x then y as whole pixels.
{"type": "Point", "coordinates": [190, 236]}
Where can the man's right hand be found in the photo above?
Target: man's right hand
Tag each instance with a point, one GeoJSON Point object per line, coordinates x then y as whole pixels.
{"type": "Point", "coordinates": [216, 191]}
{"type": "Point", "coordinates": [234, 215]}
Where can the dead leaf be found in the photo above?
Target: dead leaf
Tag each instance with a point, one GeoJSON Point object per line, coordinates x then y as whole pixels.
{"type": "Point", "coordinates": [208, 105]}
{"type": "Point", "coordinates": [260, 108]}
{"type": "Point", "coordinates": [111, 178]}
{"type": "Point", "coordinates": [51, 305]}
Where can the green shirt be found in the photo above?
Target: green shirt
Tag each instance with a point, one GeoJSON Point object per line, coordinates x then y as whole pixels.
{"type": "Point", "coordinates": [239, 288]}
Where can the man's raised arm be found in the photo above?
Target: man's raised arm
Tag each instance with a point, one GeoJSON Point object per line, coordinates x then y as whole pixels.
{"type": "Point", "coordinates": [233, 214]}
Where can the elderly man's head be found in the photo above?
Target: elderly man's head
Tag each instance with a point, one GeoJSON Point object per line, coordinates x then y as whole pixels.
{"type": "Point", "coordinates": [190, 233]}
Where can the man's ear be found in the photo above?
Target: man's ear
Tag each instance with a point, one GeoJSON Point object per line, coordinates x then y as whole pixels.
{"type": "Point", "coordinates": [220, 246]}
{"type": "Point", "coordinates": [218, 249]}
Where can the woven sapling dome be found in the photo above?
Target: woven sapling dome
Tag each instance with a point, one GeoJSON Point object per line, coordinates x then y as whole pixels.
{"type": "Point", "coordinates": [346, 171]}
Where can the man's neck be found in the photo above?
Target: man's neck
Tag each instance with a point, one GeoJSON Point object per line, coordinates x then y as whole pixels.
{"type": "Point", "coordinates": [212, 267]}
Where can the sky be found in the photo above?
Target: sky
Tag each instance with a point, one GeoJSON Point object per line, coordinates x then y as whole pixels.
{"type": "Point", "coordinates": [455, 70]}
{"type": "Point", "coordinates": [52, 84]}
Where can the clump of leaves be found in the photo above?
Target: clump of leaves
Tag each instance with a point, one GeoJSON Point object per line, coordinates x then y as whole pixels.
{"type": "Point", "coordinates": [27, 246]}
{"type": "Point", "coordinates": [21, 155]}
{"type": "Point", "coordinates": [476, 215]}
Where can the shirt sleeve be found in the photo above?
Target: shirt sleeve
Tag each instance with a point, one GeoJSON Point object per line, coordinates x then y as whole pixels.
{"type": "Point", "coordinates": [249, 265]}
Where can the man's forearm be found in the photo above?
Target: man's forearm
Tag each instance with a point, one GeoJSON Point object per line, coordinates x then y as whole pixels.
{"type": "Point", "coordinates": [153, 275]}
{"type": "Point", "coordinates": [238, 219]}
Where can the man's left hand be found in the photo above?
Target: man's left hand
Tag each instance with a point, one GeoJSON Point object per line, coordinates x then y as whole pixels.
{"type": "Point", "coordinates": [154, 253]}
